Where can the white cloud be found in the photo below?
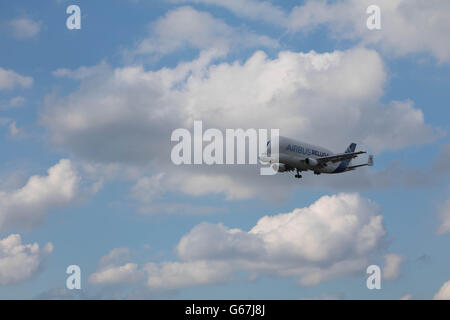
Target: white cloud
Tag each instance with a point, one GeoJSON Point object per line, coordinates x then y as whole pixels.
{"type": "Point", "coordinates": [444, 292]}
{"type": "Point", "coordinates": [392, 266]}
{"type": "Point", "coordinates": [27, 206]}
{"type": "Point", "coordinates": [201, 184]}
{"type": "Point", "coordinates": [301, 88]}
{"type": "Point", "coordinates": [176, 275]}
{"type": "Point", "coordinates": [445, 218]}
{"type": "Point", "coordinates": [148, 189]}
{"type": "Point", "coordinates": [309, 98]}
{"type": "Point", "coordinates": [115, 255]}
{"type": "Point", "coordinates": [335, 236]}
{"type": "Point", "coordinates": [125, 274]}
{"type": "Point", "coordinates": [398, 118]}
{"type": "Point", "coordinates": [10, 79]}
{"type": "Point", "coordinates": [19, 262]}
{"type": "Point", "coordinates": [166, 276]}
{"type": "Point", "coordinates": [126, 115]}
{"type": "Point", "coordinates": [108, 111]}
{"type": "Point", "coordinates": [187, 27]}
{"type": "Point", "coordinates": [407, 26]}
{"type": "Point", "coordinates": [24, 28]}
{"type": "Point", "coordinates": [251, 9]}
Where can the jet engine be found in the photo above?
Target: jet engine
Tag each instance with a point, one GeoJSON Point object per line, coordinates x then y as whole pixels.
{"type": "Point", "coordinates": [311, 162]}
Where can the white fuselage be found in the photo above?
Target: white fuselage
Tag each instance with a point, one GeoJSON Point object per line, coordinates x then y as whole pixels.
{"type": "Point", "coordinates": [293, 153]}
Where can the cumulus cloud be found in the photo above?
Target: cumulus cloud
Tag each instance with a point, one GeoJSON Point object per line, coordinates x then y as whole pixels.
{"type": "Point", "coordinates": [27, 206]}
{"type": "Point", "coordinates": [115, 255]}
{"type": "Point", "coordinates": [148, 189]}
{"type": "Point", "coordinates": [300, 88]}
{"type": "Point", "coordinates": [306, 93]}
{"type": "Point", "coordinates": [126, 115]}
{"type": "Point", "coordinates": [335, 236]}
{"type": "Point", "coordinates": [176, 275]}
{"type": "Point", "coordinates": [443, 293]}
{"type": "Point", "coordinates": [392, 266]}
{"type": "Point", "coordinates": [126, 274]}
{"type": "Point", "coordinates": [80, 73]}
{"type": "Point", "coordinates": [408, 119]}
{"type": "Point", "coordinates": [19, 262]}
{"type": "Point", "coordinates": [166, 276]}
{"type": "Point", "coordinates": [250, 9]}
{"type": "Point", "coordinates": [407, 26]}
{"type": "Point", "coordinates": [24, 28]}
{"type": "Point", "coordinates": [10, 79]}
{"type": "Point", "coordinates": [187, 27]}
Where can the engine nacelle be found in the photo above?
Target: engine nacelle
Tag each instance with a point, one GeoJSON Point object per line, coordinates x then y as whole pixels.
{"type": "Point", "coordinates": [279, 167]}
{"type": "Point", "coordinates": [311, 162]}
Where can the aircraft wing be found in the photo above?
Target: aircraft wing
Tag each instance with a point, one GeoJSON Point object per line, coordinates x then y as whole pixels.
{"type": "Point", "coordinates": [357, 166]}
{"type": "Point", "coordinates": [338, 157]}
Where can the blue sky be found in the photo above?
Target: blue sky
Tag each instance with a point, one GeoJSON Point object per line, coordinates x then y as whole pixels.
{"type": "Point", "coordinates": [96, 107]}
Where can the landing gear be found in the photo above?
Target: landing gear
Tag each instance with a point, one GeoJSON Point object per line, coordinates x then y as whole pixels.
{"type": "Point", "coordinates": [298, 175]}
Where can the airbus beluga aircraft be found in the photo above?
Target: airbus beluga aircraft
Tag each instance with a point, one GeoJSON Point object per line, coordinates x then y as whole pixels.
{"type": "Point", "coordinates": [300, 156]}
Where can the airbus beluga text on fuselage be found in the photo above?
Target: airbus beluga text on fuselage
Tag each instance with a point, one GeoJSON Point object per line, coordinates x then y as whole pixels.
{"type": "Point", "coordinates": [298, 156]}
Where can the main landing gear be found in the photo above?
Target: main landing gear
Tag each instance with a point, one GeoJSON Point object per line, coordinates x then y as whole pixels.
{"type": "Point", "coordinates": [298, 175]}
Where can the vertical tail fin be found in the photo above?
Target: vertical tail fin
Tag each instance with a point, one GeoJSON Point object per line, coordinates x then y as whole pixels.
{"type": "Point", "coordinates": [345, 163]}
{"type": "Point", "coordinates": [351, 148]}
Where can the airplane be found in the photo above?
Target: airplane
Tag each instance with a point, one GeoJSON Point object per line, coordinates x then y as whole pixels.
{"type": "Point", "coordinates": [300, 156]}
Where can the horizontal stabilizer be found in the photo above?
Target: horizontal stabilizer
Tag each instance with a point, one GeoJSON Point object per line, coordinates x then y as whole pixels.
{"type": "Point", "coordinates": [369, 163]}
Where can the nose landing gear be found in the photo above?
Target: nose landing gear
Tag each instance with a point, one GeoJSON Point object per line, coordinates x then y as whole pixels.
{"type": "Point", "coordinates": [298, 175]}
